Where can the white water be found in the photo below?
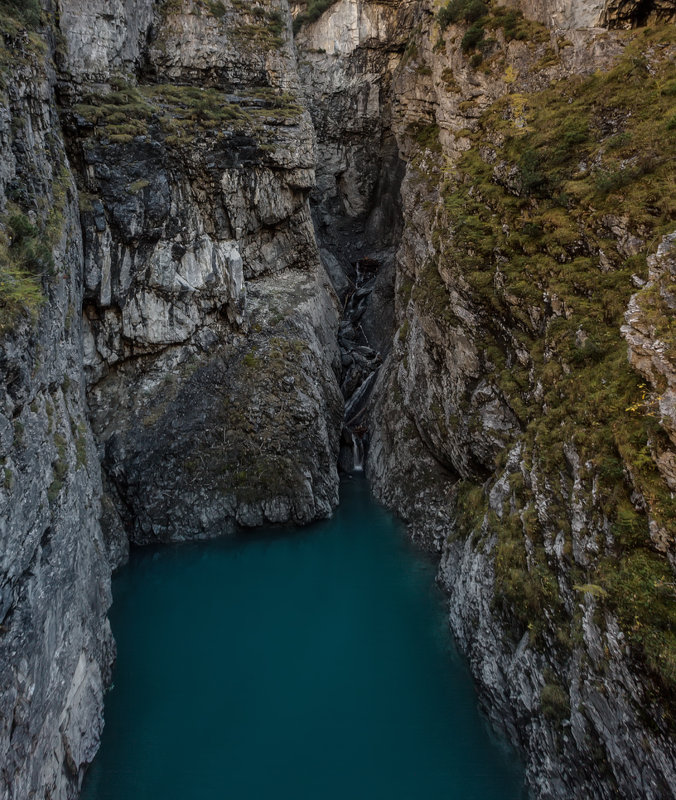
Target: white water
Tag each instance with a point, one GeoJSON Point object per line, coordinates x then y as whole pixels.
{"type": "Point", "coordinates": [357, 453]}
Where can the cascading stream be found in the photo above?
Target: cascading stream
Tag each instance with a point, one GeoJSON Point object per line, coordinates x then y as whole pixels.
{"type": "Point", "coordinates": [360, 362]}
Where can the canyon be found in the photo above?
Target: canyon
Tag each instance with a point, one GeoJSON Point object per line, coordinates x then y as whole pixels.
{"type": "Point", "coordinates": [243, 245]}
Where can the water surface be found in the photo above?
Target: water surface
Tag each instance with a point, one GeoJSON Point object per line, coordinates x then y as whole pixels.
{"type": "Point", "coordinates": [310, 664]}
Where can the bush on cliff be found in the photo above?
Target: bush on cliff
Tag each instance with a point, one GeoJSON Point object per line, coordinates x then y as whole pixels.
{"type": "Point", "coordinates": [535, 214]}
{"type": "Point", "coordinates": [26, 12]}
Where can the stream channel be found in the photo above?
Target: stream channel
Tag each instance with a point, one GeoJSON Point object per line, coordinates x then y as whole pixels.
{"type": "Point", "coordinates": [311, 664]}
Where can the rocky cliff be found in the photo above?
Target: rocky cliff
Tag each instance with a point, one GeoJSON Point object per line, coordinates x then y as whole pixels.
{"type": "Point", "coordinates": [55, 643]}
{"type": "Point", "coordinates": [169, 337]}
{"type": "Point", "coordinates": [204, 289]}
{"type": "Point", "coordinates": [490, 188]}
{"type": "Point", "coordinates": [507, 424]}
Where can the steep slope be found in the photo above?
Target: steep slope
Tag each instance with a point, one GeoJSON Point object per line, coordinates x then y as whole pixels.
{"type": "Point", "coordinates": [56, 647]}
{"type": "Point", "coordinates": [508, 427]}
{"type": "Point", "coordinates": [160, 284]}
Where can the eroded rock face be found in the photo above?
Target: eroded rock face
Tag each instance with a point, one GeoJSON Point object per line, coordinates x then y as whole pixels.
{"type": "Point", "coordinates": [191, 209]}
{"type": "Point", "coordinates": [236, 432]}
{"type": "Point", "coordinates": [451, 448]}
{"type": "Point", "coordinates": [651, 352]}
{"type": "Point", "coordinates": [56, 647]}
{"type": "Point", "coordinates": [103, 37]}
{"type": "Point", "coordinates": [346, 63]}
{"type": "Point", "coordinates": [635, 13]}
{"type": "Point", "coordinates": [561, 15]}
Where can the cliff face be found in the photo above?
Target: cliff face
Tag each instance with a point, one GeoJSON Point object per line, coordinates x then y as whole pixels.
{"type": "Point", "coordinates": [203, 283]}
{"type": "Point", "coordinates": [508, 427]}
{"type": "Point", "coordinates": [55, 643]}
{"type": "Point", "coordinates": [160, 288]}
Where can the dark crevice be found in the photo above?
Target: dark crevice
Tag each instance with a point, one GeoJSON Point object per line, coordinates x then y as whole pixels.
{"type": "Point", "coordinates": [638, 13]}
{"type": "Point", "coordinates": [358, 252]}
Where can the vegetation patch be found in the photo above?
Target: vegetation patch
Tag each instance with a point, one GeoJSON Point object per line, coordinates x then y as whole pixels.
{"type": "Point", "coordinates": [313, 11]}
{"type": "Point", "coordinates": [26, 248]}
{"type": "Point", "coordinates": [482, 18]}
{"type": "Point", "coordinates": [532, 213]}
{"type": "Point", "coordinates": [555, 703]}
{"type": "Point", "coordinates": [217, 8]}
{"type": "Point", "coordinates": [25, 258]}
{"type": "Point", "coordinates": [256, 452]}
{"type": "Point", "coordinates": [21, 13]}
{"type": "Point", "coordinates": [426, 135]}
{"type": "Point", "coordinates": [179, 113]}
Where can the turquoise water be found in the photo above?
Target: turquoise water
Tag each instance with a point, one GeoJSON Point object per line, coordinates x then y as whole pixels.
{"type": "Point", "coordinates": [308, 664]}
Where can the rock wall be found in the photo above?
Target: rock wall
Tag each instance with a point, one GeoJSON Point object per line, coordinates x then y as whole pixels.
{"type": "Point", "coordinates": [203, 282]}
{"type": "Point", "coordinates": [56, 647]}
{"type": "Point", "coordinates": [507, 427]}
{"type": "Point", "coordinates": [163, 312]}
{"type": "Point", "coordinates": [651, 353]}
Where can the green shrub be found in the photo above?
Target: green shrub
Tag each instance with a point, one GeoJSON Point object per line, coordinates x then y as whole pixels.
{"type": "Point", "coordinates": [216, 8]}
{"type": "Point", "coordinates": [510, 21]}
{"type": "Point", "coordinates": [276, 23]}
{"type": "Point", "coordinates": [426, 135]}
{"type": "Point", "coordinates": [630, 528]}
{"type": "Point", "coordinates": [26, 12]}
{"type": "Point", "coordinates": [28, 249]}
{"type": "Point", "coordinates": [461, 11]}
{"type": "Point", "coordinates": [472, 38]}
{"type": "Point", "coordinates": [25, 257]}
{"type": "Point", "coordinates": [555, 702]}
{"type": "Point", "coordinates": [532, 172]}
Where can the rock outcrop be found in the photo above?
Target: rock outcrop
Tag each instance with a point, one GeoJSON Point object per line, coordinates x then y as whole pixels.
{"type": "Point", "coordinates": [161, 288]}
{"type": "Point", "coordinates": [507, 427]}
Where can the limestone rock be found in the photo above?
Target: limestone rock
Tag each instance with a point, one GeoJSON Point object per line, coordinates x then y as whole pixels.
{"type": "Point", "coordinates": [56, 647]}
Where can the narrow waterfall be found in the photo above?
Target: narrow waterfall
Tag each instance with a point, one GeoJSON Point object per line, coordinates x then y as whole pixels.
{"type": "Point", "coordinates": [360, 363]}
{"type": "Point", "coordinates": [357, 453]}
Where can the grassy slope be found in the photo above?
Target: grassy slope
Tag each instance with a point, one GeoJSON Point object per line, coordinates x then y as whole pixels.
{"type": "Point", "coordinates": [28, 225]}
{"type": "Point", "coordinates": [529, 243]}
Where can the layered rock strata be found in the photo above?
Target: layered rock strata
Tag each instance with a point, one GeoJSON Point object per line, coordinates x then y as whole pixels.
{"type": "Point", "coordinates": [56, 647]}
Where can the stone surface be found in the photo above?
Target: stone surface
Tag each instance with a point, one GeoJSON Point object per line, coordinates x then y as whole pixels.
{"type": "Point", "coordinates": [56, 647]}
{"type": "Point", "coordinates": [186, 332]}
{"type": "Point", "coordinates": [652, 354]}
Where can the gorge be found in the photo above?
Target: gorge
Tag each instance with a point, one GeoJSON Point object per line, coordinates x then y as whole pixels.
{"type": "Point", "coordinates": [223, 223]}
